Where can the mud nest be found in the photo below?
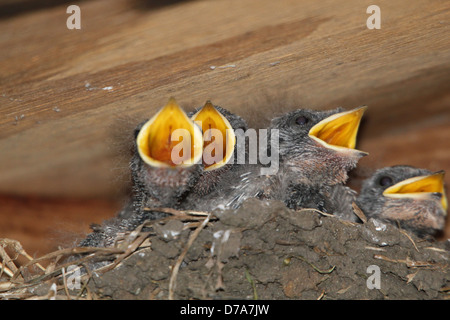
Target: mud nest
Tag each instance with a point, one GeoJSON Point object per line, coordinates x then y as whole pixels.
{"type": "Point", "coordinates": [260, 251]}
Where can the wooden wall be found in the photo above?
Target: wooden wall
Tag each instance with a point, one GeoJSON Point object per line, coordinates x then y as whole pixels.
{"type": "Point", "coordinates": [69, 99]}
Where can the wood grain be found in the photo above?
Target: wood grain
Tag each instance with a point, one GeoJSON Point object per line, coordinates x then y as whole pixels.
{"type": "Point", "coordinates": [69, 99]}
{"type": "Point", "coordinates": [42, 225]}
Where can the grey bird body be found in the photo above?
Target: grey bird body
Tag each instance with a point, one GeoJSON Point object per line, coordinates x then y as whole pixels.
{"type": "Point", "coordinates": [307, 169]}
{"type": "Point", "coordinates": [336, 199]}
{"type": "Point", "coordinates": [238, 183]}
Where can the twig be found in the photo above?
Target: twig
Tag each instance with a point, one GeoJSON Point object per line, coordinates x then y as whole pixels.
{"type": "Point", "coordinates": [129, 250]}
{"type": "Point", "coordinates": [95, 252]}
{"type": "Point", "coordinates": [6, 285]}
{"type": "Point", "coordinates": [17, 247]}
{"type": "Point", "coordinates": [411, 276]}
{"type": "Point", "coordinates": [321, 295]}
{"type": "Point", "coordinates": [85, 283]}
{"type": "Point", "coordinates": [315, 210]}
{"type": "Point", "coordinates": [410, 239]}
{"type": "Point", "coordinates": [6, 270]}
{"type": "Point", "coordinates": [252, 283]}
{"type": "Point", "coordinates": [176, 212]}
{"type": "Point", "coordinates": [8, 263]}
{"type": "Point", "coordinates": [408, 262]}
{"type": "Point", "coordinates": [314, 267]}
{"type": "Point", "coordinates": [180, 259]}
{"type": "Point", "coordinates": [375, 248]}
{"type": "Point", "coordinates": [66, 290]}
{"type": "Point", "coordinates": [359, 213]}
{"type": "Point", "coordinates": [436, 249]}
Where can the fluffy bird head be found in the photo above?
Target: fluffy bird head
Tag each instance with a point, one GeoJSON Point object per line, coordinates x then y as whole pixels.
{"type": "Point", "coordinates": [164, 168]}
{"type": "Point", "coordinates": [167, 157]}
{"type": "Point", "coordinates": [217, 125]}
{"type": "Point", "coordinates": [215, 117]}
{"type": "Point", "coordinates": [318, 147]}
{"type": "Point", "coordinates": [414, 198]}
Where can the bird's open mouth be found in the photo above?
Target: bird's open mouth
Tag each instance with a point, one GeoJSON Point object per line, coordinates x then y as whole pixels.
{"type": "Point", "coordinates": [422, 187]}
{"type": "Point", "coordinates": [218, 137]}
{"type": "Point", "coordinates": [339, 130]}
{"type": "Point", "coordinates": [170, 138]}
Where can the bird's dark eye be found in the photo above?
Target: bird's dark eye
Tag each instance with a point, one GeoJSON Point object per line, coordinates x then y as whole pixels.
{"type": "Point", "coordinates": [302, 120]}
{"type": "Point", "coordinates": [386, 182]}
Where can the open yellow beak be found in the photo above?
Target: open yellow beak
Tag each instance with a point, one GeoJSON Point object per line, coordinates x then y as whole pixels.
{"type": "Point", "coordinates": [170, 138]}
{"type": "Point", "coordinates": [218, 136]}
{"type": "Point", "coordinates": [421, 187]}
{"type": "Point", "coordinates": [339, 130]}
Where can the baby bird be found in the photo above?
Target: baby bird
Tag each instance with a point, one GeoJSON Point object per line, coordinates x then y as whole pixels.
{"type": "Point", "coordinates": [218, 126]}
{"type": "Point", "coordinates": [162, 170]}
{"type": "Point", "coordinates": [162, 167]}
{"type": "Point", "coordinates": [410, 197]}
{"type": "Point", "coordinates": [317, 150]}
{"type": "Point", "coordinates": [165, 170]}
{"type": "Point", "coordinates": [313, 150]}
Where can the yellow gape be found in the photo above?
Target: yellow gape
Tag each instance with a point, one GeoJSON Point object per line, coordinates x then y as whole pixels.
{"type": "Point", "coordinates": [339, 130]}
{"type": "Point", "coordinates": [218, 137]}
{"type": "Point", "coordinates": [170, 138]}
{"type": "Point", "coordinates": [420, 188]}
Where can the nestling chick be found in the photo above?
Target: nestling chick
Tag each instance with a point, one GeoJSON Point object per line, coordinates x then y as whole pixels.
{"type": "Point", "coordinates": [164, 174]}
{"type": "Point", "coordinates": [161, 172]}
{"type": "Point", "coordinates": [317, 150]}
{"type": "Point", "coordinates": [411, 197]}
{"type": "Point", "coordinates": [218, 126]}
